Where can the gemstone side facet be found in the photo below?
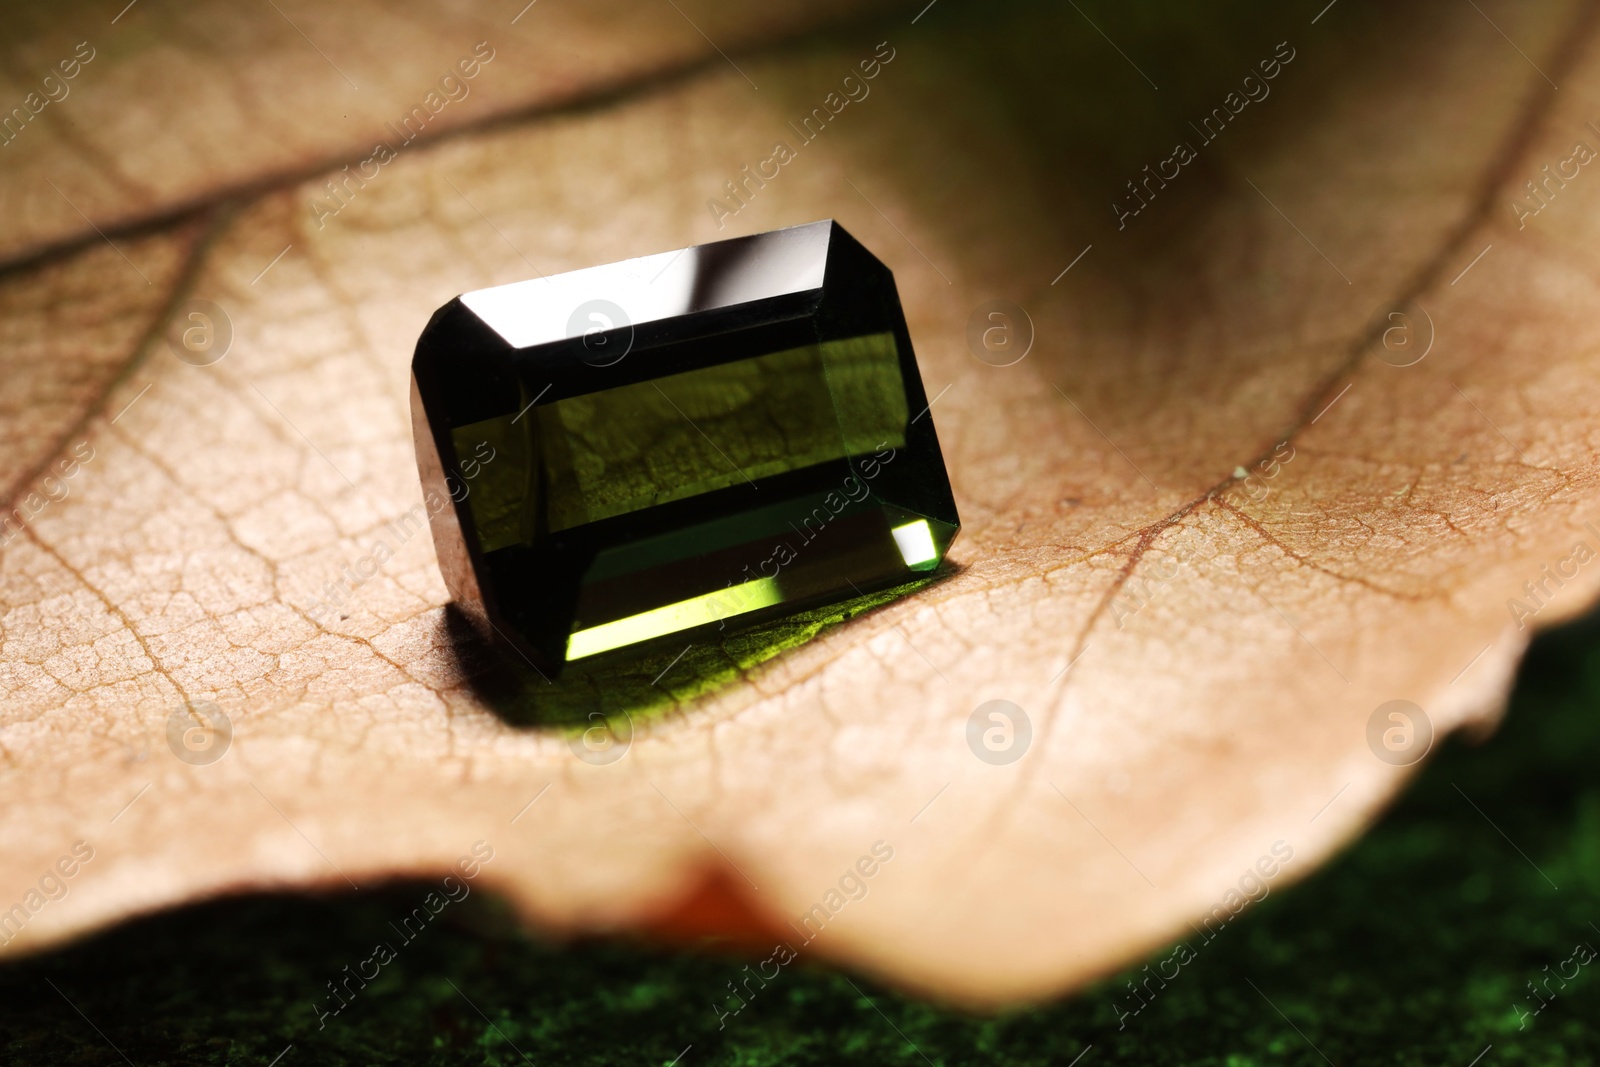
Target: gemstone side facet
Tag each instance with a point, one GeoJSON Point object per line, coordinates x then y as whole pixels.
{"type": "Point", "coordinates": [689, 440]}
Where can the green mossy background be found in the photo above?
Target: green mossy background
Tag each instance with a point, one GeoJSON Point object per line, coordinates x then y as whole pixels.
{"type": "Point", "coordinates": [1414, 947]}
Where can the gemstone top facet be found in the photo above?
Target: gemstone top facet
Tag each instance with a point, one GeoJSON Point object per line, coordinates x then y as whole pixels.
{"type": "Point", "coordinates": [696, 439]}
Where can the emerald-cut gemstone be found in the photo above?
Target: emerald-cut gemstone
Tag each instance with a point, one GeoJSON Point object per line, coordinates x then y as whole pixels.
{"type": "Point", "coordinates": [682, 442]}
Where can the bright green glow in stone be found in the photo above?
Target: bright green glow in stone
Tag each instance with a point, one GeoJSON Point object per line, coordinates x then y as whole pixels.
{"type": "Point", "coordinates": [648, 443]}
{"type": "Point", "coordinates": [915, 542]}
{"type": "Point", "coordinates": [657, 622]}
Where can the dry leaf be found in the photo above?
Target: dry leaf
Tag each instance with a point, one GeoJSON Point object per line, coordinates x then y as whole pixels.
{"type": "Point", "coordinates": [1211, 525]}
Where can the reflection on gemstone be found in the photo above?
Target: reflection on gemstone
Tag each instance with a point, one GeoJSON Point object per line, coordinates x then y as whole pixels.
{"type": "Point", "coordinates": [915, 542]}
{"type": "Point", "coordinates": [763, 443]}
{"type": "Point", "coordinates": [659, 287]}
{"type": "Point", "coordinates": [671, 618]}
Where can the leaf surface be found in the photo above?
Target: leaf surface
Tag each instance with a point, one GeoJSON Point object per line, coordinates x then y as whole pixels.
{"type": "Point", "coordinates": [1210, 525]}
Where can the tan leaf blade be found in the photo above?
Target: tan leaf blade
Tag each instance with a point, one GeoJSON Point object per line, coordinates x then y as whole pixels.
{"type": "Point", "coordinates": [1212, 524]}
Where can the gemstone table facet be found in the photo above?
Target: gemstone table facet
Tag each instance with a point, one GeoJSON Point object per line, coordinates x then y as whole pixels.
{"type": "Point", "coordinates": [676, 445]}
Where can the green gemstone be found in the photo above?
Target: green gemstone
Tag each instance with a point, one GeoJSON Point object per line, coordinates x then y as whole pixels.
{"type": "Point", "coordinates": [674, 445]}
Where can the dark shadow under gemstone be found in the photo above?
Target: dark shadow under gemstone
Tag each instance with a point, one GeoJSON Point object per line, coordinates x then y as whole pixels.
{"type": "Point", "coordinates": [680, 443]}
